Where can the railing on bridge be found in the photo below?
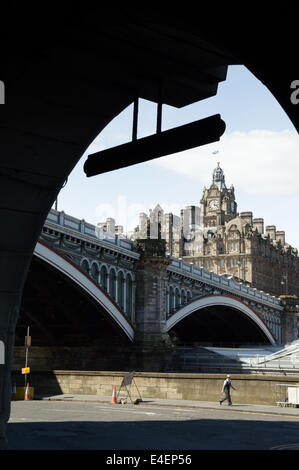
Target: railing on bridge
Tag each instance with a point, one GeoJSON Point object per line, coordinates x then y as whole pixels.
{"type": "Point", "coordinates": [84, 228]}
{"type": "Point", "coordinates": [222, 281]}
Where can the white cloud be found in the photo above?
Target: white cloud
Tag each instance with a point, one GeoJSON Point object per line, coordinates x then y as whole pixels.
{"type": "Point", "coordinates": [260, 162]}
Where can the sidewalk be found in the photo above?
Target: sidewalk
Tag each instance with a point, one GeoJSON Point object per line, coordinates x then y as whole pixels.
{"type": "Point", "coordinates": [244, 408]}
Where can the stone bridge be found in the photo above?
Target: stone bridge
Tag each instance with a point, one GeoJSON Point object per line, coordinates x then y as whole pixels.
{"type": "Point", "coordinates": [190, 284]}
{"type": "Point", "coordinates": [149, 295]}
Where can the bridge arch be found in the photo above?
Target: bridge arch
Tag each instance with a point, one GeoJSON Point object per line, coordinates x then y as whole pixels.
{"type": "Point", "coordinates": [112, 282]}
{"type": "Point", "coordinates": [128, 274]}
{"type": "Point", "coordinates": [87, 284]}
{"type": "Point", "coordinates": [85, 265]}
{"type": "Point", "coordinates": [120, 270]}
{"type": "Point", "coordinates": [129, 295]}
{"type": "Point", "coordinates": [121, 289]}
{"type": "Point", "coordinates": [220, 300]}
{"type": "Point", "coordinates": [95, 271]}
{"type": "Point", "coordinates": [177, 297]}
{"type": "Point", "coordinates": [184, 296]}
{"type": "Point", "coordinates": [170, 297]}
{"type": "Point", "coordinates": [103, 277]}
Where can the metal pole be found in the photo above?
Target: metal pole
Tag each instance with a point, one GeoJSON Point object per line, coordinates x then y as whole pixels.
{"type": "Point", "coordinates": [159, 118]}
{"type": "Point", "coordinates": [27, 353]}
{"type": "Point", "coordinates": [159, 110]}
{"type": "Point", "coordinates": [135, 119]}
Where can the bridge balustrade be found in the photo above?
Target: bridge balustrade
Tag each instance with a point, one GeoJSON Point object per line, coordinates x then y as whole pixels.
{"type": "Point", "coordinates": [204, 275]}
{"type": "Point", "coordinates": [84, 228]}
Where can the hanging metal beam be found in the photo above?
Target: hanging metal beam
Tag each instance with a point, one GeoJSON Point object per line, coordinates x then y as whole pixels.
{"type": "Point", "coordinates": [159, 118]}
{"type": "Point", "coordinates": [195, 134]}
{"type": "Point", "coordinates": [135, 119]}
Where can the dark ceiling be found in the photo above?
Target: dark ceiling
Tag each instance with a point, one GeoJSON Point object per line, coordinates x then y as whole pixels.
{"type": "Point", "coordinates": [144, 54]}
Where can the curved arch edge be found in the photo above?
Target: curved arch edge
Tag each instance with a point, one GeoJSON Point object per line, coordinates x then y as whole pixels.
{"type": "Point", "coordinates": [214, 300]}
{"type": "Point", "coordinates": [69, 269]}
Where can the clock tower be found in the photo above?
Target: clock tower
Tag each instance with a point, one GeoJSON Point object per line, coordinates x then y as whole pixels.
{"type": "Point", "coordinates": [218, 204]}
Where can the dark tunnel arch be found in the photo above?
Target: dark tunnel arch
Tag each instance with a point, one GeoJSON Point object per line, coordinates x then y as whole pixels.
{"type": "Point", "coordinates": [60, 313]}
{"type": "Point", "coordinates": [72, 304]}
{"type": "Point", "coordinates": [219, 320]}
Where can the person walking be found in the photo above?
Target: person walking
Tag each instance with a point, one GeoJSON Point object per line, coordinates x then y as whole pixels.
{"type": "Point", "coordinates": [227, 384]}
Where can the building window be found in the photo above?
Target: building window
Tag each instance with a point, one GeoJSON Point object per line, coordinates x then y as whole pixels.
{"type": "Point", "coordinates": [233, 263]}
{"type": "Point", "coordinates": [233, 246]}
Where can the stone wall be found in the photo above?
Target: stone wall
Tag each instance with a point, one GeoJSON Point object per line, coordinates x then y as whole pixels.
{"type": "Point", "coordinates": [253, 389]}
{"type": "Point", "coordinates": [290, 318]}
{"type": "Point", "coordinates": [108, 357]}
{"type": "Point", "coordinates": [42, 358]}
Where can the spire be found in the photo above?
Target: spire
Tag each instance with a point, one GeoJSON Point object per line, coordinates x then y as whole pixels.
{"type": "Point", "coordinates": [218, 177]}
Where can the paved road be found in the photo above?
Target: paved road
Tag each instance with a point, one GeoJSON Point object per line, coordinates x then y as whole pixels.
{"type": "Point", "coordinates": [92, 425]}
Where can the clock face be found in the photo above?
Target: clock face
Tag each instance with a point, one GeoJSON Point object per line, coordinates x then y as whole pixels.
{"type": "Point", "coordinates": [214, 204]}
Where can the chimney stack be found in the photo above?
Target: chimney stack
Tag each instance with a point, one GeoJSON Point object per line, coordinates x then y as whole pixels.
{"type": "Point", "coordinates": [247, 216]}
{"type": "Point", "coordinates": [271, 230]}
{"type": "Point", "coordinates": [280, 236]}
{"type": "Point", "coordinates": [259, 225]}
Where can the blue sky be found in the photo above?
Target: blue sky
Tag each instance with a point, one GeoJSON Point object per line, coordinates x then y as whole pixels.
{"type": "Point", "coordinates": [258, 153]}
